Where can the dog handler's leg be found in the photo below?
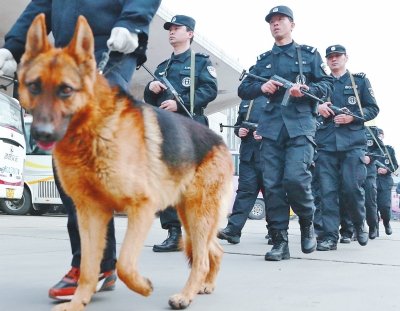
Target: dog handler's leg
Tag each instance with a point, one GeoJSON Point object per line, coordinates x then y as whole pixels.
{"type": "Point", "coordinates": [140, 218]}
{"type": "Point", "coordinates": [92, 229]}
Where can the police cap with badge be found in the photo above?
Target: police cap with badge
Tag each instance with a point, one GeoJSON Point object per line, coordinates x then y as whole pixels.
{"type": "Point", "coordinates": [181, 20]}
{"type": "Point", "coordinates": [281, 9]}
{"type": "Point", "coordinates": [335, 49]}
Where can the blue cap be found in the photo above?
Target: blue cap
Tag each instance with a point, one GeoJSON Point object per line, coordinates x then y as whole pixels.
{"type": "Point", "coordinates": [181, 20]}
{"type": "Point", "coordinates": [337, 48]}
{"type": "Point", "coordinates": [281, 9]}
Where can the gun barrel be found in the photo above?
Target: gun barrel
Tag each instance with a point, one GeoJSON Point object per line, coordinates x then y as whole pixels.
{"type": "Point", "coordinates": [244, 73]}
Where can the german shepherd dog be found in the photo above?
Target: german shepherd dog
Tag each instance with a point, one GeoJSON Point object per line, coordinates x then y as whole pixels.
{"type": "Point", "coordinates": [113, 153]}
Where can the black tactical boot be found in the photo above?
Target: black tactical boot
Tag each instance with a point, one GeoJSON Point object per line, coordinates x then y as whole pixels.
{"type": "Point", "coordinates": [373, 232]}
{"type": "Point", "coordinates": [229, 235]}
{"type": "Point", "coordinates": [308, 238]}
{"type": "Point", "coordinates": [171, 244]}
{"type": "Point", "coordinates": [280, 250]}
{"type": "Point", "coordinates": [388, 228]}
{"type": "Point", "coordinates": [362, 235]}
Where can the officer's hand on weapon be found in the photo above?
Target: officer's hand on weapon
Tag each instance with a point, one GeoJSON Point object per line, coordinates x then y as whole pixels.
{"type": "Point", "coordinates": [382, 171]}
{"type": "Point", "coordinates": [270, 87]}
{"type": "Point", "coordinates": [295, 90]}
{"type": "Point", "coordinates": [256, 136]}
{"type": "Point", "coordinates": [343, 118]}
{"type": "Point", "coordinates": [169, 105]}
{"type": "Point", "coordinates": [243, 132]}
{"type": "Point", "coordinates": [157, 87]}
{"type": "Point", "coordinates": [325, 111]}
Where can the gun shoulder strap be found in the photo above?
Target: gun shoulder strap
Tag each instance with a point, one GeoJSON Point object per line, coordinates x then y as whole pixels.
{"type": "Point", "coordinates": [249, 110]}
{"type": "Point", "coordinates": [353, 85]}
{"type": "Point", "coordinates": [192, 79]}
{"type": "Point", "coordinates": [300, 59]}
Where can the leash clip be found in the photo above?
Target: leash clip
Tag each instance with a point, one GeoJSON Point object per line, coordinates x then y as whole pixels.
{"type": "Point", "coordinates": [105, 57]}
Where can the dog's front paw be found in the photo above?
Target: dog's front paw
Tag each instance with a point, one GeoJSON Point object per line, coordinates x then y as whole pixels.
{"type": "Point", "coordinates": [179, 302]}
{"type": "Point", "coordinates": [207, 288]}
{"type": "Point", "coordinates": [68, 306]}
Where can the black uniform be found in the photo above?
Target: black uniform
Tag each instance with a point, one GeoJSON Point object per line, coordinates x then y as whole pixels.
{"type": "Point", "coordinates": [287, 147]}
{"type": "Point", "coordinates": [250, 173]}
{"type": "Point", "coordinates": [385, 185]}
{"type": "Point", "coordinates": [341, 150]}
{"type": "Point", "coordinates": [177, 70]}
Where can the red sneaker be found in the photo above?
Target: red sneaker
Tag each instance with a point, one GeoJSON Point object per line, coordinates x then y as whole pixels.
{"type": "Point", "coordinates": [65, 289]}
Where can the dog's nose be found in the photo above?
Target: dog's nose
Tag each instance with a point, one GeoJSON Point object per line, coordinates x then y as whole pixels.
{"type": "Point", "coordinates": [43, 132]}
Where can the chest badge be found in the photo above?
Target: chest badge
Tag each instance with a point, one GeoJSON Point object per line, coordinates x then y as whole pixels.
{"type": "Point", "coordinates": [352, 100]}
{"type": "Point", "coordinates": [186, 81]}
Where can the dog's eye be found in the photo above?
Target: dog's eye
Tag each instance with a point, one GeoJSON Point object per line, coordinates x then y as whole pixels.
{"type": "Point", "coordinates": [34, 87]}
{"type": "Point", "coordinates": [65, 91]}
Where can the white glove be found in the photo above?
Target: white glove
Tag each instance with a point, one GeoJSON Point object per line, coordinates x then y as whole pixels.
{"type": "Point", "coordinates": [123, 41]}
{"type": "Point", "coordinates": [8, 65]}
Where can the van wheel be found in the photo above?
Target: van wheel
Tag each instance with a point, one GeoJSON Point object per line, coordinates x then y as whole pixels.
{"type": "Point", "coordinates": [258, 210]}
{"type": "Point", "coordinates": [18, 207]}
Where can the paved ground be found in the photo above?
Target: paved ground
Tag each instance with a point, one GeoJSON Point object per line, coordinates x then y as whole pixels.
{"type": "Point", "coordinates": [35, 254]}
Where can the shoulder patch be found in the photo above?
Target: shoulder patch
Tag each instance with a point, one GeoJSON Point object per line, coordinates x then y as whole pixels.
{"type": "Point", "coordinates": [203, 55]}
{"type": "Point", "coordinates": [261, 56]}
{"type": "Point", "coordinates": [359, 74]}
{"type": "Point", "coordinates": [308, 48]}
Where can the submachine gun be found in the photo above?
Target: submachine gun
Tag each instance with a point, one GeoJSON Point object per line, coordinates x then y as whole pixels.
{"type": "Point", "coordinates": [381, 165]}
{"type": "Point", "coordinates": [173, 94]}
{"type": "Point", "coordinates": [287, 85]}
{"type": "Point", "coordinates": [244, 124]}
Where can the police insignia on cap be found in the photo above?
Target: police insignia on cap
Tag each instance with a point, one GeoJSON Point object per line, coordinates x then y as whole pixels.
{"type": "Point", "coordinates": [275, 10]}
{"type": "Point", "coordinates": [173, 19]}
{"type": "Point", "coordinates": [211, 70]}
{"type": "Point", "coordinates": [352, 100]}
{"type": "Point", "coordinates": [186, 81]}
{"type": "Point", "coordinates": [371, 91]}
{"type": "Point", "coordinates": [333, 48]}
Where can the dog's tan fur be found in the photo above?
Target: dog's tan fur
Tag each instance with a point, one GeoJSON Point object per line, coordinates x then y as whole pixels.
{"type": "Point", "coordinates": [112, 154]}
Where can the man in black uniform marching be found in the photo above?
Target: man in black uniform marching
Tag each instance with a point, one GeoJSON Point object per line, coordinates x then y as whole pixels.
{"type": "Point", "coordinates": [341, 141]}
{"type": "Point", "coordinates": [385, 182]}
{"type": "Point", "coordinates": [179, 72]}
{"type": "Point", "coordinates": [287, 126]}
{"type": "Point", "coordinates": [250, 181]}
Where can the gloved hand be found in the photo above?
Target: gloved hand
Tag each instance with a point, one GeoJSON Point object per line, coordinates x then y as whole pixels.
{"type": "Point", "coordinates": [123, 41]}
{"type": "Point", "coordinates": [8, 65]}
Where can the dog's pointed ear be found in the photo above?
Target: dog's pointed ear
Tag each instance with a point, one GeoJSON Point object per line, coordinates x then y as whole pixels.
{"type": "Point", "coordinates": [82, 43]}
{"type": "Point", "coordinates": [36, 40]}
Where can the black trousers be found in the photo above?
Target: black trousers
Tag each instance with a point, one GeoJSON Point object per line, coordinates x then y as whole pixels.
{"type": "Point", "coordinates": [249, 185]}
{"type": "Point", "coordinates": [109, 257]}
{"type": "Point", "coordinates": [169, 218]}
{"type": "Point", "coordinates": [287, 179]}
{"type": "Point", "coordinates": [341, 174]}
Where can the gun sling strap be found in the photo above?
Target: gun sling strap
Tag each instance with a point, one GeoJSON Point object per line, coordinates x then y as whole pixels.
{"type": "Point", "coordinates": [192, 78]}
{"type": "Point", "coordinates": [386, 152]}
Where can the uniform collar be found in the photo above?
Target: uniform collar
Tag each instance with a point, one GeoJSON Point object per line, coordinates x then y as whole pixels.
{"type": "Point", "coordinates": [181, 57]}
{"type": "Point", "coordinates": [290, 51]}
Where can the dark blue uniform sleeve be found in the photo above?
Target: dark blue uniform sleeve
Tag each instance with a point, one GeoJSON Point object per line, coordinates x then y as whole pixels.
{"type": "Point", "coordinates": [16, 37]}
{"type": "Point", "coordinates": [136, 15]}
{"type": "Point", "coordinates": [250, 88]}
{"type": "Point", "coordinates": [369, 106]}
{"type": "Point", "coordinates": [321, 83]}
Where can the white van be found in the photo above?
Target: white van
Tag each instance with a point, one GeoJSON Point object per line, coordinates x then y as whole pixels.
{"type": "Point", "coordinates": [40, 193]}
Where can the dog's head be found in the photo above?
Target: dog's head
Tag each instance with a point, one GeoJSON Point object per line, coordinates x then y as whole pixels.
{"type": "Point", "coordinates": [56, 83]}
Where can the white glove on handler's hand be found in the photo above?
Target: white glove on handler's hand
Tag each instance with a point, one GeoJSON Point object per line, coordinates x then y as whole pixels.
{"type": "Point", "coordinates": [123, 41]}
{"type": "Point", "coordinates": [8, 65]}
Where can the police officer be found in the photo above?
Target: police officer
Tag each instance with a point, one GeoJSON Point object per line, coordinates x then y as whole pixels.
{"type": "Point", "coordinates": [287, 126]}
{"type": "Point", "coordinates": [122, 28]}
{"type": "Point", "coordinates": [341, 144]}
{"type": "Point", "coordinates": [385, 182]}
{"type": "Point", "coordinates": [250, 181]}
{"type": "Point", "coordinates": [177, 70]}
